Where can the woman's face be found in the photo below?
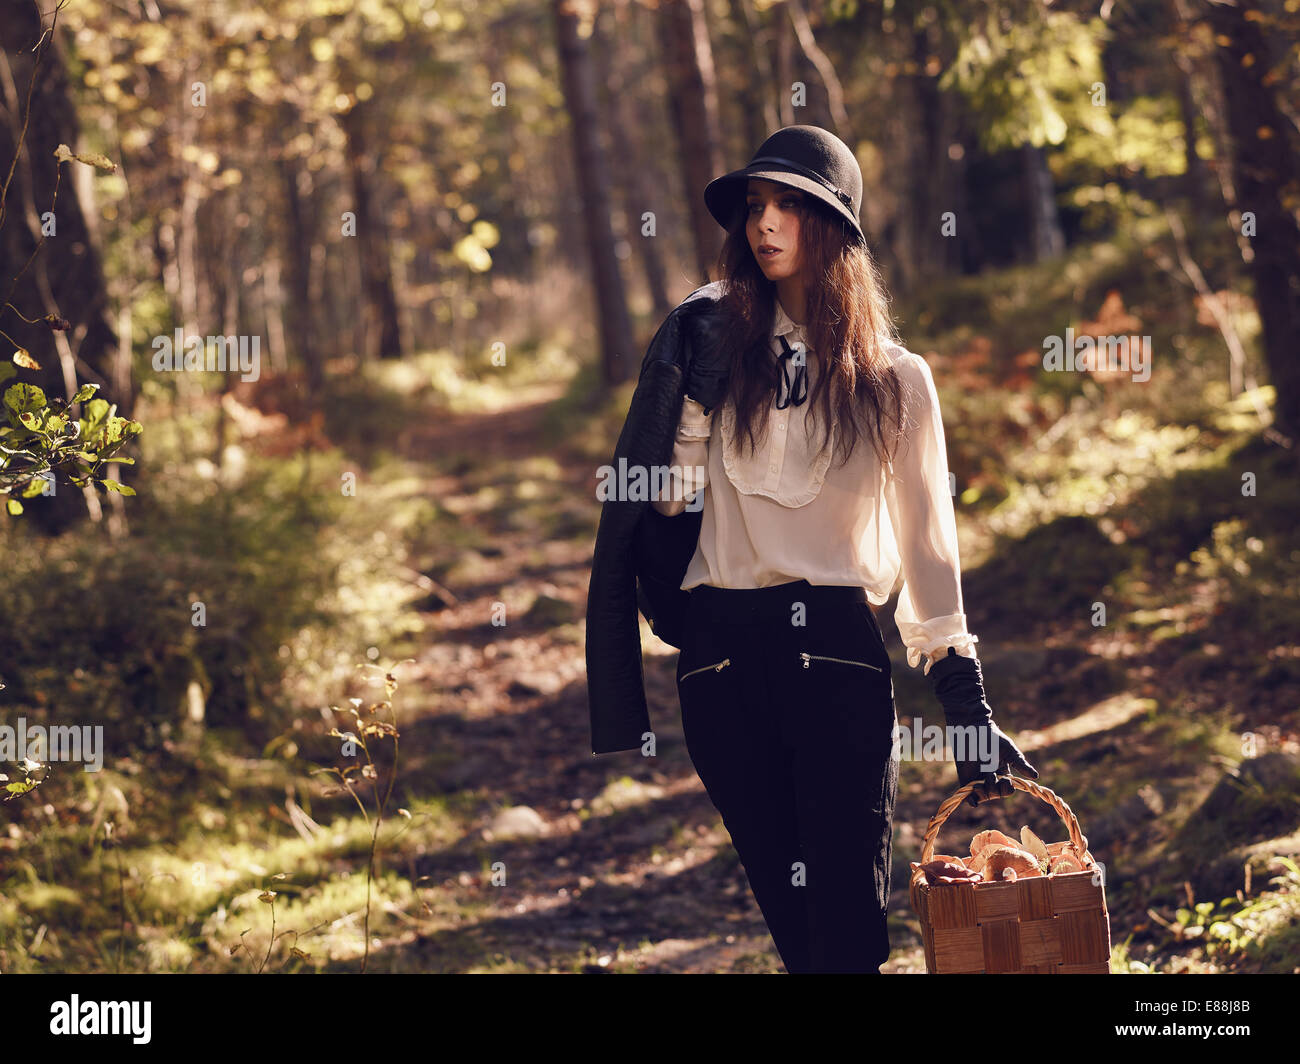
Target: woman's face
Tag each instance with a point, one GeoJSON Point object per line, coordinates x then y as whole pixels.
{"type": "Point", "coordinates": [773, 214]}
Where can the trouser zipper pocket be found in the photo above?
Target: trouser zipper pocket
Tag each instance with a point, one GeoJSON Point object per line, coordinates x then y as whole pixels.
{"type": "Point", "coordinates": [808, 659]}
{"type": "Point", "coordinates": [717, 666]}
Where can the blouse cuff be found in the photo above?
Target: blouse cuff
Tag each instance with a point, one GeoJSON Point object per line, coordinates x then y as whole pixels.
{"type": "Point", "coordinates": [933, 637]}
{"type": "Point", "coordinates": [694, 423]}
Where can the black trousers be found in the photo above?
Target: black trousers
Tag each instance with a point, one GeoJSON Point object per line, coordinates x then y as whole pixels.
{"type": "Point", "coordinates": [787, 704]}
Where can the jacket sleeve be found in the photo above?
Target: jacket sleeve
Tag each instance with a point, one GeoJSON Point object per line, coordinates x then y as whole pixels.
{"type": "Point", "coordinates": [688, 473]}
{"type": "Point", "coordinates": [620, 716]}
{"type": "Point", "coordinates": [929, 614]}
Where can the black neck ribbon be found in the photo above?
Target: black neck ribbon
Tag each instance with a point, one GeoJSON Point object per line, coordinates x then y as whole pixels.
{"type": "Point", "coordinates": [798, 394]}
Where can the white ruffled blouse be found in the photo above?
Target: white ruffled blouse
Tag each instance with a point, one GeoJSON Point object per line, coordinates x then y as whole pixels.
{"type": "Point", "coordinates": [787, 512]}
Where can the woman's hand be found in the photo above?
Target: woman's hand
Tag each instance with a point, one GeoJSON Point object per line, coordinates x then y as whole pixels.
{"type": "Point", "coordinates": [705, 378]}
{"type": "Point", "coordinates": [959, 685]}
{"type": "Point", "coordinates": [997, 784]}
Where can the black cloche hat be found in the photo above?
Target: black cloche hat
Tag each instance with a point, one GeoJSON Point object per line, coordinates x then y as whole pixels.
{"type": "Point", "coordinates": [808, 158]}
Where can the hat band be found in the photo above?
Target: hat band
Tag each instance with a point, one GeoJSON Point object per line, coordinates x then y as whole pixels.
{"type": "Point", "coordinates": [843, 196]}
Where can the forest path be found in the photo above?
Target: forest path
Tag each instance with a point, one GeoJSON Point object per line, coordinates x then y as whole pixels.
{"type": "Point", "coordinates": [620, 863]}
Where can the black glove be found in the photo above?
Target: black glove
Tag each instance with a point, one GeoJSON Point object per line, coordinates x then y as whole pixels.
{"type": "Point", "coordinates": [958, 684]}
{"type": "Point", "coordinates": [705, 379]}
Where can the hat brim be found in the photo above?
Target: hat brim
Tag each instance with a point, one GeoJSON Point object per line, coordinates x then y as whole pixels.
{"type": "Point", "coordinates": [724, 196]}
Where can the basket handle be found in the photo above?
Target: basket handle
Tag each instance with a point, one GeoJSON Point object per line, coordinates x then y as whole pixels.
{"type": "Point", "coordinates": [1078, 841]}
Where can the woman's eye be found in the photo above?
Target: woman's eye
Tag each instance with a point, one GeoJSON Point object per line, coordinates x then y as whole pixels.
{"type": "Point", "coordinates": [791, 203]}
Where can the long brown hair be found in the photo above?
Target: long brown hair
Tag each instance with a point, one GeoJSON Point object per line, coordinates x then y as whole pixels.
{"type": "Point", "coordinates": [847, 317]}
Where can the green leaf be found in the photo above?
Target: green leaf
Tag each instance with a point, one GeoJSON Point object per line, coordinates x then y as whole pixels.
{"type": "Point", "coordinates": [15, 507]}
{"type": "Point", "coordinates": [15, 789]}
{"type": "Point", "coordinates": [92, 420]}
{"type": "Point", "coordinates": [85, 392]}
{"type": "Point", "coordinates": [34, 488]}
{"type": "Point", "coordinates": [21, 398]}
{"type": "Point", "coordinates": [121, 489]}
{"type": "Point", "coordinates": [124, 461]}
{"type": "Point", "coordinates": [7, 371]}
{"type": "Point", "coordinates": [96, 411]}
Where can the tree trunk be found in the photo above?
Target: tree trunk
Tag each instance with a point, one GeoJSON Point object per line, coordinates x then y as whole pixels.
{"type": "Point", "coordinates": [693, 103]}
{"type": "Point", "coordinates": [1265, 179]}
{"type": "Point", "coordinates": [1193, 168]}
{"type": "Point", "coordinates": [935, 178]}
{"type": "Point", "coordinates": [298, 234]}
{"type": "Point", "coordinates": [619, 360]}
{"type": "Point", "coordinates": [783, 45]}
{"type": "Point", "coordinates": [382, 328]}
{"type": "Point", "coordinates": [758, 109]}
{"type": "Point", "coordinates": [634, 176]}
{"type": "Point", "coordinates": [1046, 240]}
{"type": "Point", "coordinates": [66, 277]}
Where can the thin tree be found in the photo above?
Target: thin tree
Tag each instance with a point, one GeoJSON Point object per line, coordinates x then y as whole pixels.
{"type": "Point", "coordinates": [66, 278]}
{"type": "Point", "coordinates": [693, 104]}
{"type": "Point", "coordinates": [1265, 177]}
{"type": "Point", "coordinates": [620, 73]}
{"type": "Point", "coordinates": [618, 360]}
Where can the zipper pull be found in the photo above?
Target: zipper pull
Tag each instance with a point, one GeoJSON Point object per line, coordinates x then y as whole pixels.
{"type": "Point", "coordinates": [807, 660]}
{"type": "Point", "coordinates": [722, 665]}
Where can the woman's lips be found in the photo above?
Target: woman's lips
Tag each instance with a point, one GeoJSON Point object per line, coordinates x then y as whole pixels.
{"type": "Point", "coordinates": [769, 253]}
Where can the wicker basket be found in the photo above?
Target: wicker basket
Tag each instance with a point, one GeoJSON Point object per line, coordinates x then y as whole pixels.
{"type": "Point", "coordinates": [1056, 925]}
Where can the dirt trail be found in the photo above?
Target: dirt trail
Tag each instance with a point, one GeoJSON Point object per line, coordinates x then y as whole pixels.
{"type": "Point", "coordinates": [625, 852]}
{"type": "Point", "coordinates": [622, 863]}
{"type": "Point", "coordinates": [621, 852]}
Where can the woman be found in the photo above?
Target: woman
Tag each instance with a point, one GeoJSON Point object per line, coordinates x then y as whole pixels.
{"type": "Point", "coordinates": [785, 685]}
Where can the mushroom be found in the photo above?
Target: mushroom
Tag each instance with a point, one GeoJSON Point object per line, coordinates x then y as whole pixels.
{"type": "Point", "coordinates": [945, 871]}
{"type": "Point", "coordinates": [949, 857]}
{"type": "Point", "coordinates": [1065, 862]}
{"type": "Point", "coordinates": [1004, 857]}
{"type": "Point", "coordinates": [1031, 843]}
{"type": "Point", "coordinates": [984, 839]}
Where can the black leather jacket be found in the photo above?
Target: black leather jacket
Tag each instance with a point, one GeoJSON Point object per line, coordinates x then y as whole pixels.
{"type": "Point", "coordinates": [641, 556]}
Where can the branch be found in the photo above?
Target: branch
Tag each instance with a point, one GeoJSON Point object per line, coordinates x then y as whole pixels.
{"type": "Point", "coordinates": [1239, 376]}
{"type": "Point", "coordinates": [825, 69]}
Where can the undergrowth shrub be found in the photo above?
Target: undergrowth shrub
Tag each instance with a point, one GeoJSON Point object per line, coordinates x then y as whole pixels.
{"type": "Point", "coordinates": [104, 631]}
